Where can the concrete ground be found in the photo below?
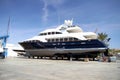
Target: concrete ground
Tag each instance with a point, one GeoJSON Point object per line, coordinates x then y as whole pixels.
{"type": "Point", "coordinates": [40, 69]}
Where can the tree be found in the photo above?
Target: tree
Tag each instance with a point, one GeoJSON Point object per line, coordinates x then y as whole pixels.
{"type": "Point", "coordinates": [104, 37]}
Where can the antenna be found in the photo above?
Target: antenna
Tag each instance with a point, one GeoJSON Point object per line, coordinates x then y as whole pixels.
{"type": "Point", "coordinates": [8, 26]}
{"type": "Point", "coordinates": [96, 30]}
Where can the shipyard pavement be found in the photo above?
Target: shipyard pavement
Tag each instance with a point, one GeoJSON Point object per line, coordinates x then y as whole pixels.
{"type": "Point", "coordinates": [41, 69]}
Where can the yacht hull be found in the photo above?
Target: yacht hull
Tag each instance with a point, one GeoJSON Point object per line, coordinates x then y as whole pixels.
{"type": "Point", "coordinates": [52, 52]}
{"type": "Point", "coordinates": [36, 48]}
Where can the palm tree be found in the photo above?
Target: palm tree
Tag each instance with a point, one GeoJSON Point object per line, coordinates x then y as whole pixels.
{"type": "Point", "coordinates": [104, 37]}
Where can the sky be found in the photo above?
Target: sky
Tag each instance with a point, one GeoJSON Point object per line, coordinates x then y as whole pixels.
{"type": "Point", "coordinates": [29, 17]}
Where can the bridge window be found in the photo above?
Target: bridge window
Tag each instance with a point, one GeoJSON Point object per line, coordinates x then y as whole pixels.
{"type": "Point", "coordinates": [70, 39]}
{"type": "Point", "coordinates": [58, 33]}
{"type": "Point", "coordinates": [61, 40]}
{"type": "Point", "coordinates": [57, 40]}
{"type": "Point", "coordinates": [65, 39]}
{"type": "Point", "coordinates": [53, 32]}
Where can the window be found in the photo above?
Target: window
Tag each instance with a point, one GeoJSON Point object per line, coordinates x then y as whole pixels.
{"type": "Point", "coordinates": [52, 40]}
{"type": "Point", "coordinates": [65, 39]}
{"type": "Point", "coordinates": [61, 40]}
{"type": "Point", "coordinates": [43, 34]}
{"type": "Point", "coordinates": [53, 32]}
{"type": "Point", "coordinates": [48, 40]}
{"type": "Point", "coordinates": [70, 39]}
{"type": "Point", "coordinates": [49, 33]}
{"type": "Point", "coordinates": [75, 39]}
{"type": "Point", "coordinates": [58, 33]}
{"type": "Point", "coordinates": [57, 40]}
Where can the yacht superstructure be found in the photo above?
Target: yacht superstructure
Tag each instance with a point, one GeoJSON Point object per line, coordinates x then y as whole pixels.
{"type": "Point", "coordinates": [65, 40]}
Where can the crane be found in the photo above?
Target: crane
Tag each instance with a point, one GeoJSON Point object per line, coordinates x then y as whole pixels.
{"type": "Point", "coordinates": [3, 49]}
{"type": "Point", "coordinates": [3, 40]}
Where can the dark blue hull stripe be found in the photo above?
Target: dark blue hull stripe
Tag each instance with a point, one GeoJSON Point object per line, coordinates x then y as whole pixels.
{"type": "Point", "coordinates": [65, 45]}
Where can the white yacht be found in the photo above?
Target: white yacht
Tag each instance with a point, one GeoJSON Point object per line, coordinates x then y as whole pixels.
{"type": "Point", "coordinates": [65, 40]}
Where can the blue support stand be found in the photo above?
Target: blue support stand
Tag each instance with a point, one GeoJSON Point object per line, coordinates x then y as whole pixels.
{"type": "Point", "coordinates": [3, 43]}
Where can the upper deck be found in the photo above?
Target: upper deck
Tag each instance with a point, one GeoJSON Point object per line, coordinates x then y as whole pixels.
{"type": "Point", "coordinates": [65, 31]}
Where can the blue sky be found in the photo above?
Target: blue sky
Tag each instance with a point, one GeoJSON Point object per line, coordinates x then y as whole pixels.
{"type": "Point", "coordinates": [29, 17]}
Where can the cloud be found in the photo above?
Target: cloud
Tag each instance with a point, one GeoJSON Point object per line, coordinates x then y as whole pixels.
{"type": "Point", "coordinates": [45, 9]}
{"type": "Point", "coordinates": [54, 3]}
